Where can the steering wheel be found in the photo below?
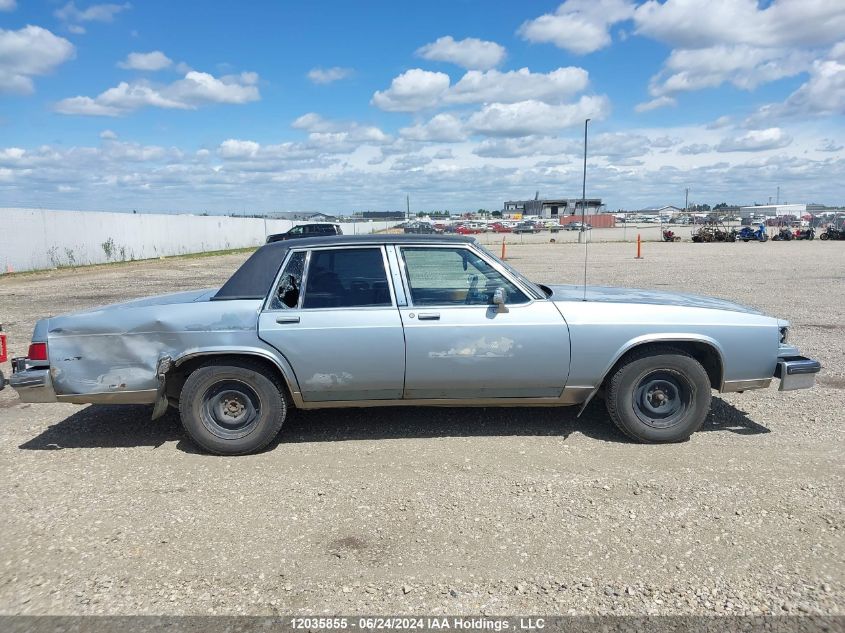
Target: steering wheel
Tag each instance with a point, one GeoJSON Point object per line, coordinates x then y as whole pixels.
{"type": "Point", "coordinates": [473, 288]}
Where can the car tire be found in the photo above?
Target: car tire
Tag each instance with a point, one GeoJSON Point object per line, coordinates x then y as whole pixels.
{"type": "Point", "coordinates": [231, 407]}
{"type": "Point", "coordinates": [659, 395]}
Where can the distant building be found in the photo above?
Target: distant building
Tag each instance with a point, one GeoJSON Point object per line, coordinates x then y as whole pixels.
{"type": "Point", "coordinates": [551, 208]}
{"type": "Point", "coordinates": [321, 217]}
{"type": "Point", "coordinates": [664, 211]}
{"type": "Point", "coordinates": [382, 215]}
{"type": "Point", "coordinates": [773, 210]}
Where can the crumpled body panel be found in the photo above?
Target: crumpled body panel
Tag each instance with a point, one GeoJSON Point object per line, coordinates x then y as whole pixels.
{"type": "Point", "coordinates": [116, 349]}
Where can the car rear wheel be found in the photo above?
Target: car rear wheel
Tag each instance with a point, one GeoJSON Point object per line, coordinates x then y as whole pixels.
{"type": "Point", "coordinates": [232, 407]}
{"type": "Point", "coordinates": [659, 394]}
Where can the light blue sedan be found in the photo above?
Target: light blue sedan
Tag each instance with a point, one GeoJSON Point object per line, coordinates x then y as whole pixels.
{"type": "Point", "coordinates": [364, 321]}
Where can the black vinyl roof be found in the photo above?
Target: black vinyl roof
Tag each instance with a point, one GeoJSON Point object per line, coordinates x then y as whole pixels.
{"type": "Point", "coordinates": [253, 278]}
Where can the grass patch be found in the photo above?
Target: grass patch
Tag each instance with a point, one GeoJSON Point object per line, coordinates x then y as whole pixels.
{"type": "Point", "coordinates": [231, 251]}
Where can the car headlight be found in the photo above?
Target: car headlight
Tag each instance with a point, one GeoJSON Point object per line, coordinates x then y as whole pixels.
{"type": "Point", "coordinates": [784, 335]}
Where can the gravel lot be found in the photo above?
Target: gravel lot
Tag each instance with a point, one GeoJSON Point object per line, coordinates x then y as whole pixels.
{"type": "Point", "coordinates": [500, 511]}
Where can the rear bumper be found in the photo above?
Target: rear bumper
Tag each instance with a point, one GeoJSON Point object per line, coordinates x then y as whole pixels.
{"type": "Point", "coordinates": [33, 384]}
{"type": "Point", "coordinates": [796, 372]}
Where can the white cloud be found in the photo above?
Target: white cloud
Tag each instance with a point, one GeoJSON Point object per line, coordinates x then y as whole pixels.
{"type": "Point", "coordinates": [695, 148]}
{"type": "Point", "coordinates": [535, 117]}
{"type": "Point", "coordinates": [94, 13]}
{"type": "Point", "coordinates": [8, 5]}
{"type": "Point", "coordinates": [410, 162]}
{"type": "Point", "coordinates": [736, 41]}
{"type": "Point", "coordinates": [518, 85]}
{"type": "Point", "coordinates": [705, 23]}
{"type": "Point", "coordinates": [744, 66]}
{"type": "Point", "coordinates": [241, 173]}
{"type": "Point", "coordinates": [443, 128]}
{"type": "Point", "coordinates": [470, 53]}
{"type": "Point", "coordinates": [155, 60]}
{"type": "Point", "coordinates": [329, 75]}
{"type": "Point", "coordinates": [234, 148]}
{"type": "Point", "coordinates": [194, 90]}
{"type": "Point", "coordinates": [338, 136]}
{"type": "Point", "coordinates": [823, 94]}
{"type": "Point", "coordinates": [413, 90]}
{"type": "Point", "coordinates": [108, 135]}
{"type": "Point", "coordinates": [420, 89]}
{"type": "Point", "coordinates": [721, 122]}
{"type": "Point", "coordinates": [578, 26]}
{"type": "Point", "coordinates": [756, 141]}
{"type": "Point", "coordinates": [830, 145]}
{"type": "Point", "coordinates": [29, 52]}
{"type": "Point", "coordinates": [657, 102]}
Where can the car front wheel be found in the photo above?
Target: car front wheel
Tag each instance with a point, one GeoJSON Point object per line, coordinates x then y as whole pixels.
{"type": "Point", "coordinates": [658, 395]}
{"type": "Point", "coordinates": [232, 407]}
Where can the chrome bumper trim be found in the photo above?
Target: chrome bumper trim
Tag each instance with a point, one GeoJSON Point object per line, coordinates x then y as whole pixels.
{"type": "Point", "coordinates": [33, 385]}
{"type": "Point", "coordinates": [733, 386]}
{"type": "Point", "coordinates": [797, 372]}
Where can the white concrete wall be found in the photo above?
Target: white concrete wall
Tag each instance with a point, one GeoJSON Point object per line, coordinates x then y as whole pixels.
{"type": "Point", "coordinates": [32, 239]}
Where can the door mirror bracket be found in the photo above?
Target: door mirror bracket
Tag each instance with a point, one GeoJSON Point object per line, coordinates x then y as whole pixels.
{"type": "Point", "coordinates": [499, 300]}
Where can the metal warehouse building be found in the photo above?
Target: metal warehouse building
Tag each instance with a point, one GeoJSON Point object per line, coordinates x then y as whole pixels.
{"type": "Point", "coordinates": [552, 208]}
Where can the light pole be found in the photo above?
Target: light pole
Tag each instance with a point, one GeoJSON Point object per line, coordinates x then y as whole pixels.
{"type": "Point", "coordinates": [583, 231]}
{"type": "Point", "coordinates": [582, 234]}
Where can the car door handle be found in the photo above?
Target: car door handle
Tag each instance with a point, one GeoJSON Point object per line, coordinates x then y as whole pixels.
{"type": "Point", "coordinates": [287, 319]}
{"type": "Point", "coordinates": [429, 316]}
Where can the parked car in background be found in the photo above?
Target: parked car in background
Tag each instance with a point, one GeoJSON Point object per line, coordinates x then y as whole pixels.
{"type": "Point", "coordinates": [525, 227]}
{"type": "Point", "coordinates": [306, 230]}
{"type": "Point", "coordinates": [498, 227]}
{"type": "Point", "coordinates": [577, 226]}
{"type": "Point", "coordinates": [421, 228]}
{"type": "Point", "coordinates": [387, 320]}
{"type": "Point", "coordinates": [466, 229]}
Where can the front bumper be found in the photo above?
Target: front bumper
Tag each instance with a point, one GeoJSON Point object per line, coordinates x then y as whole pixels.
{"type": "Point", "coordinates": [33, 384]}
{"type": "Point", "coordinates": [796, 372]}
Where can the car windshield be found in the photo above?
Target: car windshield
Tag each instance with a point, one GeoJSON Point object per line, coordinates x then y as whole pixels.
{"type": "Point", "coordinates": [535, 289]}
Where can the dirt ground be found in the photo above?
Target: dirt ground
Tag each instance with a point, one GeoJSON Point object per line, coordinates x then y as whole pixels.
{"type": "Point", "coordinates": [497, 511]}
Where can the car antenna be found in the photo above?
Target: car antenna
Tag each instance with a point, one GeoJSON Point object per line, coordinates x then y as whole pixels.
{"type": "Point", "coordinates": [584, 209]}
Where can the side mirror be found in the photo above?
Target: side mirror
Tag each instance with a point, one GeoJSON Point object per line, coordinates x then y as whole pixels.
{"type": "Point", "coordinates": [499, 300]}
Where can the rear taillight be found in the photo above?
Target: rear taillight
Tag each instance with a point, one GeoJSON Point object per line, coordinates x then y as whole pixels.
{"type": "Point", "coordinates": [3, 351]}
{"type": "Point", "coordinates": [37, 351]}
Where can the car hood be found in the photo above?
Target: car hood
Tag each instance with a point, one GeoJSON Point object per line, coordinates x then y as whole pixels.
{"type": "Point", "coordinates": [605, 294]}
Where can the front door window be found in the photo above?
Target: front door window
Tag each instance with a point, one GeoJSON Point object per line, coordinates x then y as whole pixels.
{"type": "Point", "coordinates": [455, 276]}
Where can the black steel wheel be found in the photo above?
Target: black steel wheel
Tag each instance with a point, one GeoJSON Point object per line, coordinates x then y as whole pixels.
{"type": "Point", "coordinates": [232, 407]}
{"type": "Point", "coordinates": [661, 398]}
{"type": "Point", "coordinates": [658, 394]}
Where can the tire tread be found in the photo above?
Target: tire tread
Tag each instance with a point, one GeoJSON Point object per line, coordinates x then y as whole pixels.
{"type": "Point", "coordinates": [611, 400]}
{"type": "Point", "coordinates": [188, 394]}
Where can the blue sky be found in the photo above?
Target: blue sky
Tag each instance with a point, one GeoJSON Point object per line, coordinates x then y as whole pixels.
{"type": "Point", "coordinates": [340, 106]}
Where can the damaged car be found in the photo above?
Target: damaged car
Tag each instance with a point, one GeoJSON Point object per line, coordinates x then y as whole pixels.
{"type": "Point", "coordinates": [387, 320]}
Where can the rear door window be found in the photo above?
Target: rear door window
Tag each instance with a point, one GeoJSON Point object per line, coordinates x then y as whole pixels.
{"type": "Point", "coordinates": [346, 278]}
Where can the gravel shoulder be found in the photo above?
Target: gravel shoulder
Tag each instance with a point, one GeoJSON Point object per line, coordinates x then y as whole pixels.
{"type": "Point", "coordinates": [497, 511]}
